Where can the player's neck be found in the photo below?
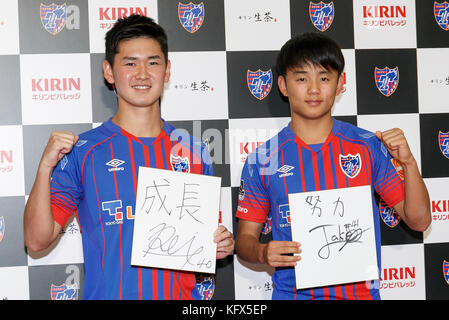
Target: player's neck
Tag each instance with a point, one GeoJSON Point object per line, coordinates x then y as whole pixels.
{"type": "Point", "coordinates": [140, 122]}
{"type": "Point", "coordinates": [312, 131]}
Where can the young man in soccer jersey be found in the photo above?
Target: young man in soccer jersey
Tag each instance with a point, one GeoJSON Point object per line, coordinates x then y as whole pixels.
{"type": "Point", "coordinates": [308, 150]}
{"type": "Point", "coordinates": [95, 174]}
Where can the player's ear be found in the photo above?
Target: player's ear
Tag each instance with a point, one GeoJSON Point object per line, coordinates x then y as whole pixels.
{"type": "Point", "coordinates": [107, 72]}
{"type": "Point", "coordinates": [282, 85]}
{"type": "Point", "coordinates": [340, 84]}
{"type": "Point", "coordinates": [167, 71]}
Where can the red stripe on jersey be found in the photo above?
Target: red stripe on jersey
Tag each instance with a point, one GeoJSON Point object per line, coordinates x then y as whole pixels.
{"type": "Point", "coordinates": [328, 170]}
{"type": "Point", "coordinates": [362, 291]}
{"type": "Point", "coordinates": [349, 291]}
{"type": "Point", "coordinates": [338, 292]}
{"type": "Point", "coordinates": [167, 285]}
{"type": "Point", "coordinates": [341, 177]}
{"type": "Point", "coordinates": [120, 226]}
{"type": "Point", "coordinates": [99, 210]}
{"type": "Point", "coordinates": [316, 172]}
{"type": "Point", "coordinates": [176, 288]}
{"type": "Point", "coordinates": [187, 282]}
{"type": "Point", "coordinates": [158, 154]}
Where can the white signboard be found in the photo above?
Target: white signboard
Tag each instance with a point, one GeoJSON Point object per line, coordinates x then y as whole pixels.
{"type": "Point", "coordinates": [176, 216]}
{"type": "Point", "coordinates": [336, 231]}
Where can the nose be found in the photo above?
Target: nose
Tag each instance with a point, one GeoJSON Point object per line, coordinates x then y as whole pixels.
{"type": "Point", "coordinates": [142, 72]}
{"type": "Point", "coordinates": [314, 87]}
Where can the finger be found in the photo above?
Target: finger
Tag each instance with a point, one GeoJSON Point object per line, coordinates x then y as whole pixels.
{"type": "Point", "coordinates": [229, 242]}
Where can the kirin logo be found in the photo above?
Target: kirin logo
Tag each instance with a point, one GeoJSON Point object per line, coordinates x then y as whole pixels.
{"type": "Point", "coordinates": [259, 83]}
{"type": "Point", "coordinates": [191, 16]}
{"type": "Point", "coordinates": [387, 80]}
{"type": "Point", "coordinates": [321, 14]}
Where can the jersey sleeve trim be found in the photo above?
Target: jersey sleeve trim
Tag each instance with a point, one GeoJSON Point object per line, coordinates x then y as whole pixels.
{"type": "Point", "coordinates": [60, 214]}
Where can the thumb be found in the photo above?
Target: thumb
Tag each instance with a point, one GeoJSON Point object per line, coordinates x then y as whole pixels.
{"type": "Point", "coordinates": [379, 135]}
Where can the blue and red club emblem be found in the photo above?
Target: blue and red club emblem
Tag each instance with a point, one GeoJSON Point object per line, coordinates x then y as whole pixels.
{"type": "Point", "coordinates": [446, 271]}
{"type": "Point", "coordinates": [206, 286]}
{"type": "Point", "coordinates": [321, 14]}
{"type": "Point", "coordinates": [191, 16]}
{"type": "Point", "coordinates": [443, 142]}
{"type": "Point", "coordinates": [387, 80]}
{"type": "Point", "coordinates": [441, 13]}
{"type": "Point", "coordinates": [259, 83]}
{"type": "Point", "coordinates": [388, 215]}
{"type": "Point", "coordinates": [350, 164]}
{"type": "Point", "coordinates": [180, 164]}
{"type": "Point", "coordinates": [53, 17]}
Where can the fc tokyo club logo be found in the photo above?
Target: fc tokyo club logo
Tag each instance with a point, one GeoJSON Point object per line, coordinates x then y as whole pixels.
{"type": "Point", "coordinates": [180, 164]}
{"type": "Point", "coordinates": [441, 13]}
{"type": "Point", "coordinates": [443, 142]}
{"type": "Point", "coordinates": [446, 271]}
{"type": "Point", "coordinates": [191, 16]}
{"type": "Point", "coordinates": [350, 164]}
{"type": "Point", "coordinates": [259, 83]}
{"type": "Point", "coordinates": [321, 14]}
{"type": "Point", "coordinates": [388, 215]}
{"type": "Point", "coordinates": [53, 17]}
{"type": "Point", "coordinates": [387, 80]}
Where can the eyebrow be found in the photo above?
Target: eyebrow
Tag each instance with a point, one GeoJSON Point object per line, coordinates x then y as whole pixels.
{"type": "Point", "coordinates": [155, 57]}
{"type": "Point", "coordinates": [305, 72]}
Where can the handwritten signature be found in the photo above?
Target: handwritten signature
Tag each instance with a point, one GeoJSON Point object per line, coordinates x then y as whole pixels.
{"type": "Point", "coordinates": [351, 233]}
{"type": "Point", "coordinates": [164, 241]}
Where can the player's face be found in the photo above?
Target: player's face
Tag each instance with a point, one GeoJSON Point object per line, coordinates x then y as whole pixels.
{"type": "Point", "coordinates": [311, 90]}
{"type": "Point", "coordinates": [139, 72]}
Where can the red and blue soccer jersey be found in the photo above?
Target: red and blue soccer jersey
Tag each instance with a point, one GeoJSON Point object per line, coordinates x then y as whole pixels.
{"type": "Point", "coordinates": [98, 180]}
{"type": "Point", "coordinates": [349, 157]}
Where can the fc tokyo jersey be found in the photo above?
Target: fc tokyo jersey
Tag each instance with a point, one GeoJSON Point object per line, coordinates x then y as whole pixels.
{"type": "Point", "coordinates": [98, 180]}
{"type": "Point", "coordinates": [349, 157]}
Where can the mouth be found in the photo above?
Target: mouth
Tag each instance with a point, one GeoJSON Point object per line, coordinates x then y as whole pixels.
{"type": "Point", "coordinates": [313, 103]}
{"type": "Point", "coordinates": [141, 87]}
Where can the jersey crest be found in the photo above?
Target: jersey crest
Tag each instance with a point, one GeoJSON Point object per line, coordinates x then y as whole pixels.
{"type": "Point", "coordinates": [441, 13]}
{"type": "Point", "coordinates": [443, 142]}
{"type": "Point", "coordinates": [205, 286]}
{"type": "Point", "coordinates": [446, 271]}
{"type": "Point", "coordinates": [191, 16]}
{"type": "Point", "coordinates": [64, 292]}
{"type": "Point", "coordinates": [388, 215]}
{"type": "Point", "coordinates": [350, 164]}
{"type": "Point", "coordinates": [53, 17]}
{"type": "Point", "coordinates": [321, 14]}
{"type": "Point", "coordinates": [180, 164]}
{"type": "Point", "coordinates": [387, 80]}
{"type": "Point", "coordinates": [259, 83]}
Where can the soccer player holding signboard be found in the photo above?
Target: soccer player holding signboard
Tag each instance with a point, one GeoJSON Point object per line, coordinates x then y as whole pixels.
{"type": "Point", "coordinates": [317, 152]}
{"type": "Point", "coordinates": [95, 174]}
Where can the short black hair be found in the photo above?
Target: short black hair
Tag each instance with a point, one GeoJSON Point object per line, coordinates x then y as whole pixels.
{"type": "Point", "coordinates": [134, 26]}
{"type": "Point", "coordinates": [311, 47]}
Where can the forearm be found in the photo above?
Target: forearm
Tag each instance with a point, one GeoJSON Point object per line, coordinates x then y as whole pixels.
{"type": "Point", "coordinates": [250, 249]}
{"type": "Point", "coordinates": [39, 225]}
{"type": "Point", "coordinates": [416, 207]}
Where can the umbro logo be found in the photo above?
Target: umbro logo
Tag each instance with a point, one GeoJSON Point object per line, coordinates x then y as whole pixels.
{"type": "Point", "coordinates": [285, 171]}
{"type": "Point", "coordinates": [115, 165]}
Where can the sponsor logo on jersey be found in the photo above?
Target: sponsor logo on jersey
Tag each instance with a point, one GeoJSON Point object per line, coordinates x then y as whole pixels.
{"type": "Point", "coordinates": [191, 16]}
{"type": "Point", "coordinates": [64, 292]}
{"type": "Point", "coordinates": [53, 17]}
{"type": "Point", "coordinates": [64, 162]}
{"type": "Point", "coordinates": [443, 142]}
{"type": "Point", "coordinates": [446, 271]}
{"type": "Point", "coordinates": [388, 215]}
{"type": "Point", "coordinates": [205, 286]}
{"type": "Point", "coordinates": [397, 165]}
{"type": "Point", "coordinates": [114, 209]}
{"type": "Point", "coordinates": [284, 213]}
{"type": "Point", "coordinates": [350, 164]}
{"type": "Point", "coordinates": [2, 228]}
{"type": "Point", "coordinates": [321, 14]}
{"type": "Point", "coordinates": [115, 165]}
{"type": "Point", "coordinates": [387, 80]}
{"type": "Point", "coordinates": [241, 191]}
{"type": "Point", "coordinates": [259, 83]}
{"type": "Point", "coordinates": [285, 171]}
{"type": "Point", "coordinates": [441, 13]}
{"type": "Point", "coordinates": [180, 164]}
